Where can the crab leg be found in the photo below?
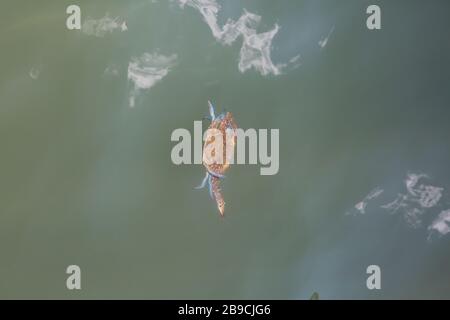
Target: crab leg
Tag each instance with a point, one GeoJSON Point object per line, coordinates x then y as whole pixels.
{"type": "Point", "coordinates": [217, 175]}
{"type": "Point", "coordinates": [203, 184]}
{"type": "Point", "coordinates": [211, 111]}
{"type": "Point", "coordinates": [210, 185]}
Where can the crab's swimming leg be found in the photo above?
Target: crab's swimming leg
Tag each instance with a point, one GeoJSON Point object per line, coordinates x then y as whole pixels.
{"type": "Point", "coordinates": [211, 111]}
{"type": "Point", "coordinates": [203, 184]}
{"type": "Point", "coordinates": [210, 186]}
{"type": "Point", "coordinates": [217, 175]}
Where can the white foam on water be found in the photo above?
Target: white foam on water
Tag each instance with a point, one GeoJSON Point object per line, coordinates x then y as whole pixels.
{"type": "Point", "coordinates": [396, 205]}
{"type": "Point", "coordinates": [111, 70]}
{"type": "Point", "coordinates": [361, 206]}
{"type": "Point", "coordinates": [441, 224]}
{"type": "Point", "coordinates": [295, 59]}
{"type": "Point", "coordinates": [418, 200]}
{"type": "Point", "coordinates": [411, 181]}
{"type": "Point", "coordinates": [35, 72]}
{"type": "Point", "coordinates": [427, 196]}
{"type": "Point", "coordinates": [145, 71]}
{"type": "Point", "coordinates": [413, 217]}
{"type": "Point", "coordinates": [256, 47]}
{"type": "Point", "coordinates": [324, 41]}
{"type": "Point", "coordinates": [100, 27]}
{"type": "Point", "coordinates": [375, 193]}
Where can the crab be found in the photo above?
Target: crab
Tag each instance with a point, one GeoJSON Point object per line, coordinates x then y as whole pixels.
{"type": "Point", "coordinates": [222, 126]}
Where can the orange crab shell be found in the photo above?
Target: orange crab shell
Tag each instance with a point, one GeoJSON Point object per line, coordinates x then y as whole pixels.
{"type": "Point", "coordinates": [223, 125]}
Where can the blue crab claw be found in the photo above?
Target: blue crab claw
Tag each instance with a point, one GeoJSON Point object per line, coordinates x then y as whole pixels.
{"type": "Point", "coordinates": [203, 184]}
{"type": "Point", "coordinates": [211, 111]}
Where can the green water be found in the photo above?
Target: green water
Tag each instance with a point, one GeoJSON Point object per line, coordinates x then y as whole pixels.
{"type": "Point", "coordinates": [87, 180]}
